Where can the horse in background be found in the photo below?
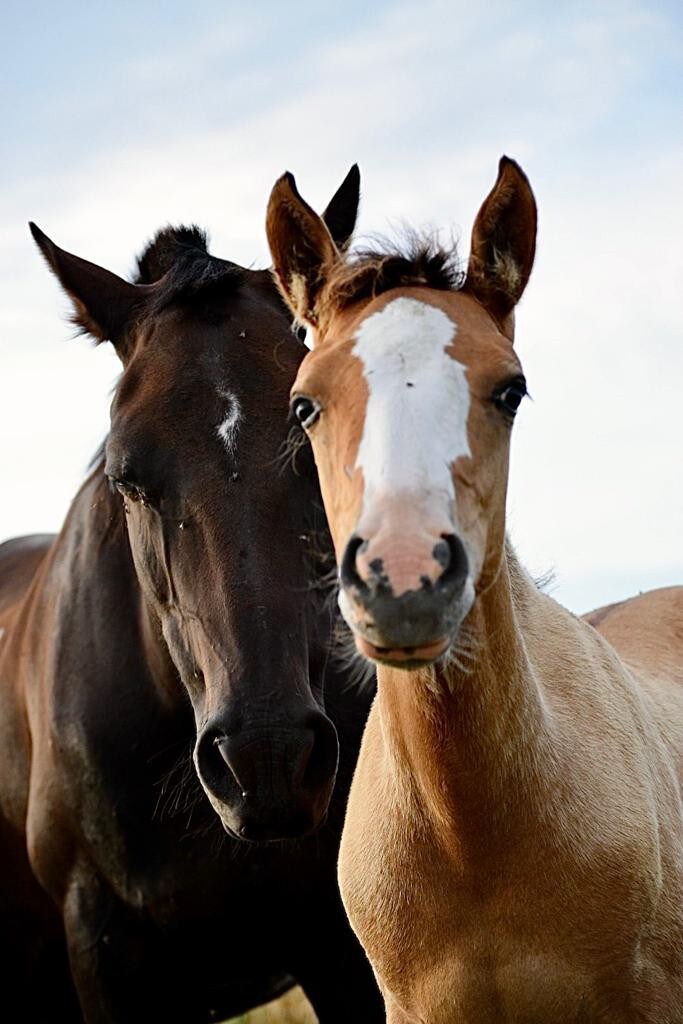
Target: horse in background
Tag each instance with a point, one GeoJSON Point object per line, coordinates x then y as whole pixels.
{"type": "Point", "coordinates": [513, 846]}
{"type": "Point", "coordinates": [179, 614]}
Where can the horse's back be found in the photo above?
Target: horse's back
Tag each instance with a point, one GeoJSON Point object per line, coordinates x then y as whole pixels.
{"type": "Point", "coordinates": [32, 945]}
{"type": "Point", "coordinates": [646, 631]}
{"type": "Point", "coordinates": [19, 562]}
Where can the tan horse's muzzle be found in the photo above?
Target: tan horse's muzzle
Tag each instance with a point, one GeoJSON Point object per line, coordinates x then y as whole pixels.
{"type": "Point", "coordinates": [403, 590]}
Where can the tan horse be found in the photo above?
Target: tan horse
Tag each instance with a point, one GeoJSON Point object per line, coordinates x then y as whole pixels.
{"type": "Point", "coordinates": [513, 848]}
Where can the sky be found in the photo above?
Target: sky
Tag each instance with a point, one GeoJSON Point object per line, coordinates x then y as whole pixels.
{"type": "Point", "coordinates": [120, 117]}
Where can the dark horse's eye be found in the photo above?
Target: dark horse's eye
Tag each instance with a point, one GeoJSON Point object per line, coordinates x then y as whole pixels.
{"type": "Point", "coordinates": [130, 491]}
{"type": "Point", "coordinates": [301, 332]}
{"type": "Point", "coordinates": [306, 410]}
{"type": "Point", "coordinates": [509, 398]}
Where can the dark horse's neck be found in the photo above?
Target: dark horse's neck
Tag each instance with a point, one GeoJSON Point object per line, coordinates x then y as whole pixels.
{"type": "Point", "coordinates": [113, 698]}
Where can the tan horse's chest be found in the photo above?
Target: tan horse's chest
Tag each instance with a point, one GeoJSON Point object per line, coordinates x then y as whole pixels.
{"type": "Point", "coordinates": [440, 962]}
{"type": "Point", "coordinates": [450, 945]}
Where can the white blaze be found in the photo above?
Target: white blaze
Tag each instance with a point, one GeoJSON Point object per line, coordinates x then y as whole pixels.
{"type": "Point", "coordinates": [227, 429]}
{"type": "Point", "coordinates": [418, 401]}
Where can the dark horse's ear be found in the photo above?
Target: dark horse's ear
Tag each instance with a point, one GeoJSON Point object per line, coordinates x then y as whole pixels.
{"type": "Point", "coordinates": [342, 210]}
{"type": "Point", "coordinates": [302, 249]}
{"type": "Point", "coordinates": [103, 303]}
{"type": "Point", "coordinates": [503, 244]}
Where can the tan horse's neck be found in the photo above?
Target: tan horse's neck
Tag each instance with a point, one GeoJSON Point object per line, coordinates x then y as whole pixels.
{"type": "Point", "coordinates": [475, 729]}
{"type": "Point", "coordinates": [501, 814]}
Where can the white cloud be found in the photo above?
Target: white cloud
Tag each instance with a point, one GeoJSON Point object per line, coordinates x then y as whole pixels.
{"type": "Point", "coordinates": [426, 104]}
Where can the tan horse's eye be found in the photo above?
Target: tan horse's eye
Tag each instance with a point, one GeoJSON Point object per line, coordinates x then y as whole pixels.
{"type": "Point", "coordinates": [306, 410]}
{"type": "Point", "coordinates": [509, 398]}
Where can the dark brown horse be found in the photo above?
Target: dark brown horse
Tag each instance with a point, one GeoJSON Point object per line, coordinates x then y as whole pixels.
{"type": "Point", "coordinates": [177, 615]}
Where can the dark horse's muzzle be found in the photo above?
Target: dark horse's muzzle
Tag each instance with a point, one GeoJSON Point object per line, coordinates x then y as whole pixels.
{"type": "Point", "coordinates": [272, 781]}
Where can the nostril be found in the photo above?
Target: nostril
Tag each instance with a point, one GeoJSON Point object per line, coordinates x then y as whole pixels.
{"type": "Point", "coordinates": [300, 755]}
{"type": "Point", "coordinates": [442, 553]}
{"type": "Point", "coordinates": [219, 741]}
{"type": "Point", "coordinates": [215, 765]}
{"type": "Point", "coordinates": [450, 553]}
{"type": "Point", "coordinates": [323, 755]}
{"type": "Point", "coordinates": [296, 761]}
{"type": "Point", "coordinates": [348, 571]}
{"type": "Point", "coordinates": [208, 746]}
{"type": "Point", "coordinates": [223, 745]}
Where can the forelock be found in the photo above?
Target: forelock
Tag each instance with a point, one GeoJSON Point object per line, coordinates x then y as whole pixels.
{"type": "Point", "coordinates": [417, 261]}
{"type": "Point", "coordinates": [178, 262]}
{"type": "Point", "coordinates": [166, 248]}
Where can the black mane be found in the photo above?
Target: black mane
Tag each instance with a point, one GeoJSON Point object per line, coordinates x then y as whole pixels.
{"type": "Point", "coordinates": [417, 261]}
{"type": "Point", "coordinates": [178, 261]}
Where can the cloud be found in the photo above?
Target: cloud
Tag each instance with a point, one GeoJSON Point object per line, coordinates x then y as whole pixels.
{"type": "Point", "coordinates": [201, 126]}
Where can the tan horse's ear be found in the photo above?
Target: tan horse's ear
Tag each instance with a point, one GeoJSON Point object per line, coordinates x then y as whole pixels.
{"type": "Point", "coordinates": [503, 243]}
{"type": "Point", "coordinates": [302, 249]}
{"type": "Point", "coordinates": [342, 210]}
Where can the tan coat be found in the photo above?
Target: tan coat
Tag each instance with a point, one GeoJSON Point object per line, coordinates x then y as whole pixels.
{"type": "Point", "coordinates": [513, 849]}
{"type": "Point", "coordinates": [513, 845]}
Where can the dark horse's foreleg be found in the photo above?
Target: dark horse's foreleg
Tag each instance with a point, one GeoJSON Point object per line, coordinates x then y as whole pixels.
{"type": "Point", "coordinates": [34, 967]}
{"type": "Point", "coordinates": [120, 963]}
{"type": "Point", "coordinates": [335, 973]}
{"type": "Point", "coordinates": [35, 979]}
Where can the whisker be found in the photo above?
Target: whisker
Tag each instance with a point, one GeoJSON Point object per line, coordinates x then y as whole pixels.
{"type": "Point", "coordinates": [289, 449]}
{"type": "Point", "coordinates": [180, 793]}
{"type": "Point", "coordinates": [360, 672]}
{"type": "Point", "coordinates": [463, 652]}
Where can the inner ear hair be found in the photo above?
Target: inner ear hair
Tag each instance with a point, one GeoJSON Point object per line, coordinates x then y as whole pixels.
{"type": "Point", "coordinates": [302, 248]}
{"type": "Point", "coordinates": [503, 242]}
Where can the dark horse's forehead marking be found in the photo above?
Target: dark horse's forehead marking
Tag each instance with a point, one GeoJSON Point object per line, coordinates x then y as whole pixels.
{"type": "Point", "coordinates": [227, 429]}
{"type": "Point", "coordinates": [178, 263]}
